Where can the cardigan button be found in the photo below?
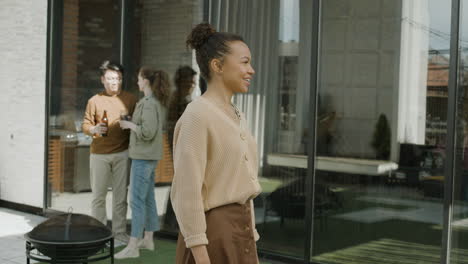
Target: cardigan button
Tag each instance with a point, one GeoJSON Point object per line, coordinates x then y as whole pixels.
{"type": "Point", "coordinates": [245, 157]}
{"type": "Point", "coordinates": [242, 136]}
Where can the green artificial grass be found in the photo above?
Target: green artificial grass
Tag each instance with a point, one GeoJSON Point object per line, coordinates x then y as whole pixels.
{"type": "Point", "coordinates": [164, 253]}
{"type": "Point", "coordinates": [389, 251]}
{"type": "Point", "coordinates": [269, 184]}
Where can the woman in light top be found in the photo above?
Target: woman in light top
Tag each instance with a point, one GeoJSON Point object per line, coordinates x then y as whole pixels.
{"type": "Point", "coordinates": [215, 158]}
{"type": "Point", "coordinates": [145, 150]}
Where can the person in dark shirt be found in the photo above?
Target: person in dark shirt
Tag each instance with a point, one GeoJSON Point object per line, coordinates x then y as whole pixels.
{"type": "Point", "coordinates": [184, 80]}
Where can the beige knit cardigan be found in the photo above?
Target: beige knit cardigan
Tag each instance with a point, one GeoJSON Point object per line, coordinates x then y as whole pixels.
{"type": "Point", "coordinates": [215, 164]}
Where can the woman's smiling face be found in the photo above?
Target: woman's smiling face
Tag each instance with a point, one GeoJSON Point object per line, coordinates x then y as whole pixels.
{"type": "Point", "coordinates": [237, 70]}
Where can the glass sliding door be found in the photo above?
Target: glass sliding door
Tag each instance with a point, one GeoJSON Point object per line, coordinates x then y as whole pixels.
{"type": "Point", "coordinates": [381, 131]}
{"type": "Point", "coordinates": [152, 33]}
{"type": "Point", "coordinates": [89, 35]}
{"type": "Point", "coordinates": [459, 225]}
{"type": "Point", "coordinates": [157, 33]}
{"type": "Point", "coordinates": [278, 33]}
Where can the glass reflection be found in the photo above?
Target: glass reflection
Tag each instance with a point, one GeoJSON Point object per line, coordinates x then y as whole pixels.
{"type": "Point", "coordinates": [459, 225]}
{"type": "Point", "coordinates": [155, 34]}
{"type": "Point", "coordinates": [381, 131]}
{"type": "Point", "coordinates": [277, 107]}
{"type": "Point", "coordinates": [88, 37]}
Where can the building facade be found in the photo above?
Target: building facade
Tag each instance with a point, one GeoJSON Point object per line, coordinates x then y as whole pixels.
{"type": "Point", "coordinates": [359, 108]}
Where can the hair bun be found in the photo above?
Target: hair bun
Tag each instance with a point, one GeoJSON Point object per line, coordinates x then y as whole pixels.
{"type": "Point", "coordinates": [200, 35]}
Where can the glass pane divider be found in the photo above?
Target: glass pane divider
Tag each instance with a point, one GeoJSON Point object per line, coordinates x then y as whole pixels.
{"type": "Point", "coordinates": [53, 64]}
{"type": "Point", "coordinates": [450, 169]}
{"type": "Point", "coordinates": [310, 181]}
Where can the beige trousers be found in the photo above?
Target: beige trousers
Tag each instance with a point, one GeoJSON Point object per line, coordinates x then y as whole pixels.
{"type": "Point", "coordinates": [104, 168]}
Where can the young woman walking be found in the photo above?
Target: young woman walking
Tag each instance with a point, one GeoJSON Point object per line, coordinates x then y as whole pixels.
{"type": "Point", "coordinates": [215, 158]}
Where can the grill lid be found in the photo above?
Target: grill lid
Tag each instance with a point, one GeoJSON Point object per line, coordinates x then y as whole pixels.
{"type": "Point", "coordinates": [69, 228]}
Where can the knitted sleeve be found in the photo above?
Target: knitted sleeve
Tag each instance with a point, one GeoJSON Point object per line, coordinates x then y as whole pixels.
{"type": "Point", "coordinates": [190, 157]}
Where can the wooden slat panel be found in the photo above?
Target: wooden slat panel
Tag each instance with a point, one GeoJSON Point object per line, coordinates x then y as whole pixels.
{"type": "Point", "coordinates": [164, 171]}
{"type": "Point", "coordinates": [55, 164]}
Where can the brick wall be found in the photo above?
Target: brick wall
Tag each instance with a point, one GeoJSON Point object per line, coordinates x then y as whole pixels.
{"type": "Point", "coordinates": [165, 26]}
{"type": "Point", "coordinates": [98, 41]}
{"type": "Point", "coordinates": [22, 104]}
{"type": "Point", "coordinates": [69, 55]}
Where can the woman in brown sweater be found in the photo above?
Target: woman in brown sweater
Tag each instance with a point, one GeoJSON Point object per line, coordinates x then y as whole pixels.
{"type": "Point", "coordinates": [215, 158]}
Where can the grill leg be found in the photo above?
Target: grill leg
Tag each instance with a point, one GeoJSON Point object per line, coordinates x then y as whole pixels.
{"type": "Point", "coordinates": [28, 249]}
{"type": "Point", "coordinates": [112, 250]}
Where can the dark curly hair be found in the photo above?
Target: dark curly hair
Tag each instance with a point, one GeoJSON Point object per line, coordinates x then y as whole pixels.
{"type": "Point", "coordinates": [209, 44]}
{"type": "Point", "coordinates": [159, 82]}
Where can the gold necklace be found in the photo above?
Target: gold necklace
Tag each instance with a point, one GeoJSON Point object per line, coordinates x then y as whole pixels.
{"type": "Point", "coordinates": [224, 107]}
{"type": "Point", "coordinates": [236, 110]}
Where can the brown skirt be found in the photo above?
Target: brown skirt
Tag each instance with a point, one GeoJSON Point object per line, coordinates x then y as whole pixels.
{"type": "Point", "coordinates": [230, 235]}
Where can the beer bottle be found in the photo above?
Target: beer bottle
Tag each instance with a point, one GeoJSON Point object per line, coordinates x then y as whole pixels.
{"type": "Point", "coordinates": [105, 121]}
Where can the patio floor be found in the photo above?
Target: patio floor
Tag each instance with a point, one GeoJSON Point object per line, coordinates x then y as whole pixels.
{"type": "Point", "coordinates": [15, 224]}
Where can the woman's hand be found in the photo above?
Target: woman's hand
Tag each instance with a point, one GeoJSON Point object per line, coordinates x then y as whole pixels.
{"type": "Point", "coordinates": [127, 125]}
{"type": "Point", "coordinates": [200, 254]}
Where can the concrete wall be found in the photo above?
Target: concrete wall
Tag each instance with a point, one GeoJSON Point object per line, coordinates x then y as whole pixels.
{"type": "Point", "coordinates": [359, 69]}
{"type": "Point", "coordinates": [22, 104]}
